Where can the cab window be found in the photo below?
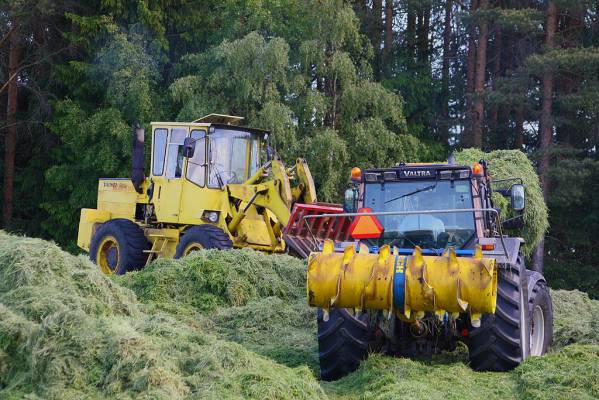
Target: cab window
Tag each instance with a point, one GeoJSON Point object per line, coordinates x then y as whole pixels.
{"type": "Point", "coordinates": [175, 155]}
{"type": "Point", "coordinates": [254, 156]}
{"type": "Point", "coordinates": [160, 136]}
{"type": "Point", "coordinates": [196, 165]}
{"type": "Point", "coordinates": [228, 157]}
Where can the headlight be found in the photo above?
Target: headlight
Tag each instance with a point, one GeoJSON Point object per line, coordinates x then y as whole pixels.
{"type": "Point", "coordinates": [211, 216]}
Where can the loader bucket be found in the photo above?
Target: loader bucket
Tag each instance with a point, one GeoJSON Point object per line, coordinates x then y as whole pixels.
{"type": "Point", "coordinates": [407, 285]}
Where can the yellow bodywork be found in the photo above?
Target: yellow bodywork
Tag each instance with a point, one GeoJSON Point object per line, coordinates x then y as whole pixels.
{"type": "Point", "coordinates": [251, 213]}
{"type": "Point", "coordinates": [436, 284]}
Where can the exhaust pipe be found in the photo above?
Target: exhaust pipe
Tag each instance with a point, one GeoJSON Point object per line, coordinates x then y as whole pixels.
{"type": "Point", "coordinates": [137, 158]}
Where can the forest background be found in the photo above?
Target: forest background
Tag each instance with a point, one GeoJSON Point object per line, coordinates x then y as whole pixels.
{"type": "Point", "coordinates": [341, 83]}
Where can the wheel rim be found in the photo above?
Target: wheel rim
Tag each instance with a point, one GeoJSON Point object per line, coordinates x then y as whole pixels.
{"type": "Point", "coordinates": [190, 248]}
{"type": "Point", "coordinates": [108, 255]}
{"type": "Point", "coordinates": [537, 332]}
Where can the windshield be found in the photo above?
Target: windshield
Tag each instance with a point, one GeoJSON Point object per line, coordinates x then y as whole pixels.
{"type": "Point", "coordinates": [234, 157]}
{"type": "Point", "coordinates": [431, 231]}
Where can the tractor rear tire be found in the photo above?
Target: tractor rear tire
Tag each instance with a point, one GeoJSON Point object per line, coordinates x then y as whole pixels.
{"type": "Point", "coordinates": [118, 246]}
{"type": "Point", "coordinates": [497, 344]}
{"type": "Point", "coordinates": [541, 319]}
{"type": "Point", "coordinates": [202, 237]}
{"type": "Point", "coordinates": [343, 342]}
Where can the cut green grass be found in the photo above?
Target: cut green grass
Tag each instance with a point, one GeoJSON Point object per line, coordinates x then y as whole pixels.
{"type": "Point", "coordinates": [505, 164]}
{"type": "Point", "coordinates": [68, 332]}
{"type": "Point", "coordinates": [229, 325]}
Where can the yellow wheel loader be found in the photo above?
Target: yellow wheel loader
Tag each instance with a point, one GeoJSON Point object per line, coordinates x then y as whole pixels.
{"type": "Point", "coordinates": [207, 188]}
{"type": "Point", "coordinates": [422, 264]}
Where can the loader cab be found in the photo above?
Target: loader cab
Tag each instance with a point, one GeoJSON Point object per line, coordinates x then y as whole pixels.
{"type": "Point", "coordinates": [193, 162]}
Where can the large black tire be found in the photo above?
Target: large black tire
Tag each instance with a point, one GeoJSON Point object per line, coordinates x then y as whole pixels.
{"type": "Point", "coordinates": [202, 237]}
{"type": "Point", "coordinates": [343, 342]}
{"type": "Point", "coordinates": [541, 312]}
{"type": "Point", "coordinates": [497, 344]}
{"type": "Point", "coordinates": [118, 246]}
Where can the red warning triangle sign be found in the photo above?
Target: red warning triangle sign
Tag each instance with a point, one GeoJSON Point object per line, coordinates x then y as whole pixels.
{"type": "Point", "coordinates": [366, 227]}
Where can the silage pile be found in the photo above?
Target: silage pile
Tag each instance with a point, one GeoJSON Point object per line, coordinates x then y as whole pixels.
{"type": "Point", "coordinates": [504, 164]}
{"type": "Point", "coordinates": [228, 325]}
{"type": "Point", "coordinates": [66, 331]}
{"type": "Point", "coordinates": [243, 295]}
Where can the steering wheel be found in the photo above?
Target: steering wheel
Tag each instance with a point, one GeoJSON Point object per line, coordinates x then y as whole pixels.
{"type": "Point", "coordinates": [225, 176]}
{"type": "Point", "coordinates": [231, 175]}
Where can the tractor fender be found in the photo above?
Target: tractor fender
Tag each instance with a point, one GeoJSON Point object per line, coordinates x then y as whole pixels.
{"type": "Point", "coordinates": [533, 278]}
{"type": "Point", "coordinates": [509, 256]}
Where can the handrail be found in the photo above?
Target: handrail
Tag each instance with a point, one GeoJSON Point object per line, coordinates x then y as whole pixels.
{"type": "Point", "coordinates": [386, 213]}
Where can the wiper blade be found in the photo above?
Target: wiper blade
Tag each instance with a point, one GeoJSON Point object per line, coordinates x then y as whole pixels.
{"type": "Point", "coordinates": [413, 193]}
{"type": "Point", "coordinates": [467, 242]}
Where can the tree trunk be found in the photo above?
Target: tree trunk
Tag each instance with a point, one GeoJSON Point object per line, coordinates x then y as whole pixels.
{"type": "Point", "coordinates": [424, 19]}
{"type": "Point", "coordinates": [377, 21]}
{"type": "Point", "coordinates": [519, 139]}
{"type": "Point", "coordinates": [10, 141]}
{"type": "Point", "coordinates": [567, 83]}
{"type": "Point", "coordinates": [479, 81]}
{"type": "Point", "coordinates": [497, 46]}
{"type": "Point", "coordinates": [376, 34]}
{"type": "Point", "coordinates": [445, 71]}
{"type": "Point", "coordinates": [411, 29]}
{"type": "Point", "coordinates": [388, 49]}
{"type": "Point", "coordinates": [470, 66]}
{"type": "Point", "coordinates": [545, 123]}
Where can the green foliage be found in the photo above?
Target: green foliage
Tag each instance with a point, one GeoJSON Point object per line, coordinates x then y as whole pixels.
{"type": "Point", "coordinates": [514, 164]}
{"type": "Point", "coordinates": [571, 245]}
{"type": "Point", "coordinates": [95, 145]}
{"type": "Point", "coordinates": [575, 182]}
{"type": "Point", "coordinates": [315, 73]}
{"type": "Point", "coordinates": [262, 80]}
{"type": "Point", "coordinates": [245, 74]}
{"type": "Point", "coordinates": [327, 154]}
{"type": "Point", "coordinates": [525, 20]}
{"type": "Point", "coordinates": [578, 61]}
{"type": "Point", "coordinates": [94, 129]}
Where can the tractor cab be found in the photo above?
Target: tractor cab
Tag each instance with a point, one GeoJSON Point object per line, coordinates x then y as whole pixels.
{"type": "Point", "coordinates": [432, 206]}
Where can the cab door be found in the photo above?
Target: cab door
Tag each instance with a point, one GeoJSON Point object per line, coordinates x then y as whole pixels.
{"type": "Point", "coordinates": [167, 171]}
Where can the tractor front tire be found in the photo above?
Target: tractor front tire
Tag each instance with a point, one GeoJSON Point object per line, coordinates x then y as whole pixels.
{"type": "Point", "coordinates": [541, 319]}
{"type": "Point", "coordinates": [118, 246]}
{"type": "Point", "coordinates": [497, 344]}
{"type": "Point", "coordinates": [202, 237]}
{"type": "Point", "coordinates": [343, 342]}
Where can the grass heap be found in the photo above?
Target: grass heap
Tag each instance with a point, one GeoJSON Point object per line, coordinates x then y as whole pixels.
{"type": "Point", "coordinates": [66, 331]}
{"type": "Point", "coordinates": [228, 325]}
{"type": "Point", "coordinates": [514, 164]}
{"type": "Point", "coordinates": [252, 298]}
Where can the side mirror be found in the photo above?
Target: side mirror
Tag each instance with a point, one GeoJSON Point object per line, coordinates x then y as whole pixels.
{"type": "Point", "coordinates": [189, 145]}
{"type": "Point", "coordinates": [350, 201]}
{"type": "Point", "coordinates": [518, 198]}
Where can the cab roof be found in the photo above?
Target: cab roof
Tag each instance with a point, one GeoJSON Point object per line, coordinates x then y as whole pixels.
{"type": "Point", "coordinates": [217, 120]}
{"type": "Point", "coordinates": [420, 166]}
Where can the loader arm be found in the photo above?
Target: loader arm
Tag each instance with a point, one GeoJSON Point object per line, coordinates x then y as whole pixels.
{"type": "Point", "coordinates": [266, 195]}
{"type": "Point", "coordinates": [305, 191]}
